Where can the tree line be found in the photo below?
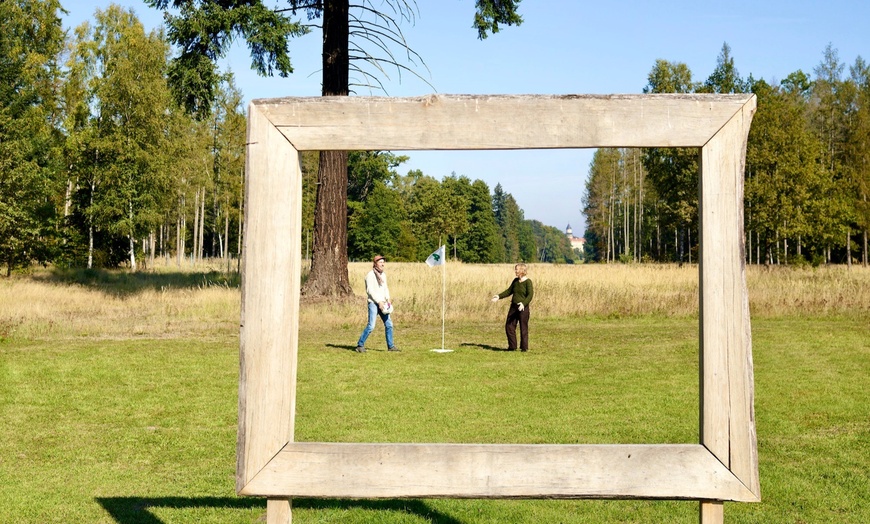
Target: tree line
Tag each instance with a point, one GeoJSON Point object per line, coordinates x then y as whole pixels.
{"type": "Point", "coordinates": [807, 172]}
{"type": "Point", "coordinates": [407, 217]}
{"type": "Point", "coordinates": [102, 165]}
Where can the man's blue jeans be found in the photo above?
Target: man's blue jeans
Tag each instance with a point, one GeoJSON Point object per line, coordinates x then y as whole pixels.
{"type": "Point", "coordinates": [388, 325]}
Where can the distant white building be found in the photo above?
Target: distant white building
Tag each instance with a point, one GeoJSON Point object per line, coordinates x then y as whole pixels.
{"type": "Point", "coordinates": [576, 242]}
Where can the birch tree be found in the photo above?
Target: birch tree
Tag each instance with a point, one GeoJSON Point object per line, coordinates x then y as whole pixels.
{"type": "Point", "coordinates": [125, 78]}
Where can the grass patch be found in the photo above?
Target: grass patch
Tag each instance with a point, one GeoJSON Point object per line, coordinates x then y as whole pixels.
{"type": "Point", "coordinates": [120, 407]}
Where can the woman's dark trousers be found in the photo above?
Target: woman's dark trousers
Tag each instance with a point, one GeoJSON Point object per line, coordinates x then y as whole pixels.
{"type": "Point", "coordinates": [515, 316]}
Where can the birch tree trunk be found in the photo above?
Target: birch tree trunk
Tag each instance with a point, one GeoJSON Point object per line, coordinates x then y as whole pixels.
{"type": "Point", "coordinates": [201, 227]}
{"type": "Point", "coordinates": [196, 219]}
{"type": "Point", "coordinates": [91, 229]}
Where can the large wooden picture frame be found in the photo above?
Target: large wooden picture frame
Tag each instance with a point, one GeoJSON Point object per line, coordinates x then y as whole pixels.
{"type": "Point", "coordinates": [723, 466]}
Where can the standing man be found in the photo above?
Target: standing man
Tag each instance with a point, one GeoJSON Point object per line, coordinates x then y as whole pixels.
{"type": "Point", "coordinates": [379, 303]}
{"type": "Point", "coordinates": [521, 293]}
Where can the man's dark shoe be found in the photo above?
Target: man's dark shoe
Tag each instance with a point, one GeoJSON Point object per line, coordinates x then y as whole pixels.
{"type": "Point", "coordinates": [394, 348]}
{"type": "Point", "coordinates": [360, 349]}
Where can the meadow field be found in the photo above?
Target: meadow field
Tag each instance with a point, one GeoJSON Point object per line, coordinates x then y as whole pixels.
{"type": "Point", "coordinates": [119, 396]}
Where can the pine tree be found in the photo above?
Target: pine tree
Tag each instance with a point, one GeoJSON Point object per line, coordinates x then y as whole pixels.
{"type": "Point", "coordinates": [206, 29]}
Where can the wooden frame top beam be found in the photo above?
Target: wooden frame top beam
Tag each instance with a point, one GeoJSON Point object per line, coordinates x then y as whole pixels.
{"type": "Point", "coordinates": [458, 122]}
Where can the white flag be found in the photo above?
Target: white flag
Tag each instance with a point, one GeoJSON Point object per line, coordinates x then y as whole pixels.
{"type": "Point", "coordinates": [436, 258]}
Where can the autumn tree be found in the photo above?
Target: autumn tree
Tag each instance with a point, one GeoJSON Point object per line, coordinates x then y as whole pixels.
{"type": "Point", "coordinates": [829, 115]}
{"type": "Point", "coordinates": [123, 71]}
{"type": "Point", "coordinates": [30, 43]}
{"type": "Point", "coordinates": [783, 173]}
{"type": "Point", "coordinates": [858, 149]}
{"type": "Point", "coordinates": [673, 172]}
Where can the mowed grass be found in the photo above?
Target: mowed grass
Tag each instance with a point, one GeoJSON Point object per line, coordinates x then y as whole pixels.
{"type": "Point", "coordinates": [119, 393]}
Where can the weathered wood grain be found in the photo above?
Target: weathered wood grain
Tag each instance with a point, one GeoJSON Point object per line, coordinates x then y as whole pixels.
{"type": "Point", "coordinates": [270, 297]}
{"type": "Point", "coordinates": [456, 122]}
{"type": "Point", "coordinates": [728, 419]}
{"type": "Point", "coordinates": [724, 466]}
{"type": "Point", "coordinates": [336, 470]}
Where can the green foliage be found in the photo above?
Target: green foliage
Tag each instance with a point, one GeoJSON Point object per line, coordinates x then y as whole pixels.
{"type": "Point", "coordinates": [806, 189]}
{"type": "Point", "coordinates": [858, 144]}
{"type": "Point", "coordinates": [375, 226]}
{"type": "Point", "coordinates": [481, 242]}
{"type": "Point", "coordinates": [622, 208]}
{"type": "Point", "coordinates": [436, 213]}
{"type": "Point", "coordinates": [669, 77]}
{"type": "Point", "coordinates": [408, 217]}
{"type": "Point", "coordinates": [205, 31]}
{"type": "Point", "coordinates": [724, 78]}
{"type": "Point", "coordinates": [491, 13]}
{"type": "Point", "coordinates": [551, 244]}
{"type": "Point", "coordinates": [30, 42]}
{"type": "Point", "coordinates": [673, 172]}
{"type": "Point", "coordinates": [121, 141]}
{"type": "Point", "coordinates": [784, 171]}
{"type": "Point", "coordinates": [366, 168]}
{"type": "Point", "coordinates": [518, 244]}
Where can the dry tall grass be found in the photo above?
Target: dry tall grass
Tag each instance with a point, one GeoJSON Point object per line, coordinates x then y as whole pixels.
{"type": "Point", "coordinates": [42, 306]}
{"type": "Point", "coordinates": [618, 289]}
{"type": "Point", "coordinates": [38, 308]}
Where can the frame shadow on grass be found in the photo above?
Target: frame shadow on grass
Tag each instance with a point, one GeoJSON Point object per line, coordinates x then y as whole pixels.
{"type": "Point", "coordinates": [136, 510]}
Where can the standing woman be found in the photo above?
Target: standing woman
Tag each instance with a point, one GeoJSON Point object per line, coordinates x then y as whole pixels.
{"type": "Point", "coordinates": [521, 293]}
{"type": "Point", "coordinates": [379, 304]}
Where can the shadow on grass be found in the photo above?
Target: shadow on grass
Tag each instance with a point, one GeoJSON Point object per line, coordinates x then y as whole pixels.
{"type": "Point", "coordinates": [137, 510]}
{"type": "Point", "coordinates": [125, 283]}
{"type": "Point", "coordinates": [342, 346]}
{"type": "Point", "coordinates": [484, 346]}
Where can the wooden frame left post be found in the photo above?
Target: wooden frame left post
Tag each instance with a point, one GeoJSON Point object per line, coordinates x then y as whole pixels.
{"type": "Point", "coordinates": [270, 304]}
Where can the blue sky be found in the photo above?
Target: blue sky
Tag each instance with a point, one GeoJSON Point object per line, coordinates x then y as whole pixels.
{"type": "Point", "coordinates": [566, 47]}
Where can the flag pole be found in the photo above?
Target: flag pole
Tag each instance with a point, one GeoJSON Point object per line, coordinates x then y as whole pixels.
{"type": "Point", "coordinates": [443, 295]}
{"type": "Point", "coordinates": [439, 258]}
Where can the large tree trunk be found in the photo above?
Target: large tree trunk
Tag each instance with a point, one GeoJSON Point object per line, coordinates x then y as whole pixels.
{"type": "Point", "coordinates": [328, 276]}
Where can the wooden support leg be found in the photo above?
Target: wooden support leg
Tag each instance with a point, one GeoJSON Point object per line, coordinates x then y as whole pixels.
{"type": "Point", "coordinates": [278, 511]}
{"type": "Point", "coordinates": [712, 512]}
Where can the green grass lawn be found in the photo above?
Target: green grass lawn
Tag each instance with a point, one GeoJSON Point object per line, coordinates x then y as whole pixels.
{"type": "Point", "coordinates": [144, 430]}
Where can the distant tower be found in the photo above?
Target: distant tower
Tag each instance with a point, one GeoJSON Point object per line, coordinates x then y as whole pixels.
{"type": "Point", "coordinates": [576, 243]}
